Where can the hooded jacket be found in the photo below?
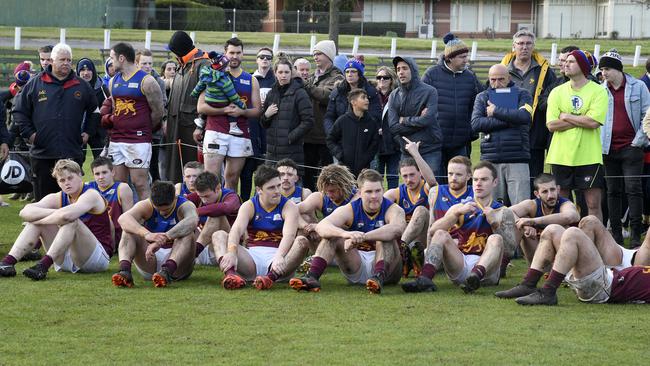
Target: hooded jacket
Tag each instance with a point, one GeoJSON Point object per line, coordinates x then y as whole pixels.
{"type": "Point", "coordinates": [339, 105]}
{"type": "Point", "coordinates": [319, 90]}
{"type": "Point", "coordinates": [94, 127]}
{"type": "Point", "coordinates": [354, 141]}
{"type": "Point", "coordinates": [286, 129]}
{"type": "Point", "coordinates": [409, 100]}
{"type": "Point", "coordinates": [456, 94]}
{"type": "Point", "coordinates": [106, 78]}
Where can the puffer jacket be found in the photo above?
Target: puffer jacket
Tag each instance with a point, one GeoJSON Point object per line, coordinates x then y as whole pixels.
{"type": "Point", "coordinates": [354, 141]}
{"type": "Point", "coordinates": [339, 105]}
{"type": "Point", "coordinates": [319, 90]}
{"type": "Point", "coordinates": [409, 100]}
{"type": "Point", "coordinates": [456, 94]}
{"type": "Point", "coordinates": [505, 134]}
{"type": "Point", "coordinates": [285, 130]}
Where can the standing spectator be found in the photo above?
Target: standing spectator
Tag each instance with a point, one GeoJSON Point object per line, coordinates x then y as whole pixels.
{"type": "Point", "coordinates": [412, 112]}
{"type": "Point", "coordinates": [531, 71]}
{"type": "Point", "coordinates": [339, 104]}
{"type": "Point", "coordinates": [646, 77]}
{"type": "Point", "coordinates": [388, 154]}
{"type": "Point", "coordinates": [219, 145]}
{"type": "Point", "coordinates": [354, 138]}
{"type": "Point", "coordinates": [457, 88]}
{"type": "Point", "coordinates": [96, 133]}
{"type": "Point", "coordinates": [181, 107]}
{"type": "Point", "coordinates": [137, 111]}
{"type": "Point", "coordinates": [109, 71]}
{"type": "Point", "coordinates": [505, 136]}
{"type": "Point", "coordinates": [646, 160]}
{"type": "Point", "coordinates": [49, 112]}
{"type": "Point", "coordinates": [623, 142]}
{"type": "Point", "coordinates": [167, 72]}
{"type": "Point", "coordinates": [287, 116]}
{"type": "Point", "coordinates": [302, 67]}
{"type": "Point", "coordinates": [144, 61]}
{"type": "Point", "coordinates": [263, 73]}
{"type": "Point", "coordinates": [576, 110]}
{"type": "Point", "coordinates": [45, 56]}
{"type": "Point", "coordinates": [319, 87]}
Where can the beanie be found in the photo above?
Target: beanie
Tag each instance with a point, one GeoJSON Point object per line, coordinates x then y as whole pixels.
{"type": "Point", "coordinates": [611, 59]}
{"type": "Point", "coordinates": [180, 44]}
{"type": "Point", "coordinates": [585, 60]}
{"type": "Point", "coordinates": [22, 74]}
{"type": "Point", "coordinates": [453, 46]}
{"type": "Point", "coordinates": [355, 64]}
{"type": "Point", "coordinates": [219, 60]}
{"type": "Point", "coordinates": [327, 47]}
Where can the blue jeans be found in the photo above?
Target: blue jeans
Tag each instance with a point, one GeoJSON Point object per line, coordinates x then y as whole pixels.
{"type": "Point", "coordinates": [432, 158]}
{"type": "Point", "coordinates": [388, 165]}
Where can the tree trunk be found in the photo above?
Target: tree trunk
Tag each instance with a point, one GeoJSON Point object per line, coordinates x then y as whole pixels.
{"type": "Point", "coordinates": [334, 22]}
{"type": "Point", "coordinates": [142, 14]}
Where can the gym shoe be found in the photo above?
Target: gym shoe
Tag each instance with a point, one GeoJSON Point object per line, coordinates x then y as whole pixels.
{"type": "Point", "coordinates": [374, 284]}
{"type": "Point", "coordinates": [235, 130]}
{"type": "Point", "coordinates": [122, 279]}
{"type": "Point", "coordinates": [32, 255]}
{"type": "Point", "coordinates": [233, 282]}
{"type": "Point", "coordinates": [162, 278]}
{"type": "Point", "coordinates": [515, 292]}
{"type": "Point", "coordinates": [421, 284]}
{"type": "Point", "coordinates": [417, 256]}
{"type": "Point", "coordinates": [263, 282]}
{"type": "Point", "coordinates": [7, 270]}
{"type": "Point", "coordinates": [472, 283]}
{"type": "Point", "coordinates": [36, 272]}
{"type": "Point", "coordinates": [306, 283]}
{"type": "Point", "coordinates": [541, 296]}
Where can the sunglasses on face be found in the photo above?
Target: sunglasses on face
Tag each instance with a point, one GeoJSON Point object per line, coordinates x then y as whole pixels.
{"type": "Point", "coordinates": [265, 57]}
{"type": "Point", "coordinates": [381, 77]}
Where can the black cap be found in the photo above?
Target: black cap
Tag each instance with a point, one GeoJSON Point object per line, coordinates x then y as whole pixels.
{"type": "Point", "coordinates": [180, 44]}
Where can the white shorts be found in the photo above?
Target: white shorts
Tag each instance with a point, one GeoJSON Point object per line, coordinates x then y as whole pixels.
{"type": "Point", "coordinates": [97, 262]}
{"type": "Point", "coordinates": [470, 262]}
{"type": "Point", "coordinates": [595, 287]}
{"type": "Point", "coordinates": [366, 269]}
{"type": "Point", "coordinates": [161, 257]}
{"type": "Point", "coordinates": [263, 257]}
{"type": "Point", "coordinates": [132, 155]}
{"type": "Point", "coordinates": [626, 258]}
{"type": "Point", "coordinates": [227, 145]}
{"type": "Point", "coordinates": [206, 258]}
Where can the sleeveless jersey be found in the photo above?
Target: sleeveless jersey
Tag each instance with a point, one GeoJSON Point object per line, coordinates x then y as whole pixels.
{"type": "Point", "coordinates": [184, 190]}
{"type": "Point", "coordinates": [444, 199]}
{"type": "Point", "coordinates": [631, 285]}
{"type": "Point", "coordinates": [362, 221]}
{"type": "Point", "coordinates": [296, 196]}
{"type": "Point", "coordinates": [265, 229]}
{"type": "Point", "coordinates": [98, 223]}
{"type": "Point", "coordinates": [204, 218]}
{"type": "Point", "coordinates": [556, 209]}
{"type": "Point", "coordinates": [405, 201]}
{"type": "Point", "coordinates": [244, 88]}
{"type": "Point", "coordinates": [472, 231]}
{"type": "Point", "coordinates": [131, 112]}
{"type": "Point", "coordinates": [159, 223]}
{"type": "Point", "coordinates": [329, 206]}
{"type": "Point", "coordinates": [112, 196]}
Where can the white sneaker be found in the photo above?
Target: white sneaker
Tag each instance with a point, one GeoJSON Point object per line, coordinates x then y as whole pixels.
{"type": "Point", "coordinates": [235, 130]}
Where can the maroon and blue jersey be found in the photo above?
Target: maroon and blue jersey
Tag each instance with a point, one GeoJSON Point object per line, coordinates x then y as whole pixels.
{"type": "Point", "coordinates": [131, 112]}
{"type": "Point", "coordinates": [296, 196]}
{"type": "Point", "coordinates": [444, 199]}
{"type": "Point", "coordinates": [99, 223]}
{"type": "Point", "coordinates": [244, 88]}
{"type": "Point", "coordinates": [265, 229]}
{"type": "Point", "coordinates": [112, 197]}
{"type": "Point", "coordinates": [365, 222]}
{"type": "Point", "coordinates": [631, 284]}
{"type": "Point", "coordinates": [473, 230]}
{"type": "Point", "coordinates": [184, 190]}
{"type": "Point", "coordinates": [159, 223]}
{"type": "Point", "coordinates": [329, 206]}
{"type": "Point", "coordinates": [556, 209]}
{"type": "Point", "coordinates": [409, 203]}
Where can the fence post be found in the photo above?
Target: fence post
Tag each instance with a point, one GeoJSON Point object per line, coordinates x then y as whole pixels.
{"type": "Point", "coordinates": [434, 45]}
{"type": "Point", "coordinates": [472, 56]}
{"type": "Point", "coordinates": [393, 47]}
{"type": "Point", "coordinates": [355, 46]}
{"type": "Point", "coordinates": [170, 16]}
{"type": "Point", "coordinates": [637, 56]}
{"type": "Point", "coordinates": [234, 19]}
{"type": "Point", "coordinates": [233, 35]}
{"type": "Point", "coordinates": [597, 51]}
{"type": "Point", "coordinates": [298, 21]}
{"type": "Point", "coordinates": [107, 39]}
{"type": "Point", "coordinates": [193, 36]}
{"type": "Point", "coordinates": [62, 35]}
{"type": "Point", "coordinates": [17, 32]}
{"type": "Point", "coordinates": [147, 40]}
{"type": "Point", "coordinates": [553, 53]}
{"type": "Point", "coordinates": [312, 43]}
{"type": "Point", "coordinates": [276, 43]}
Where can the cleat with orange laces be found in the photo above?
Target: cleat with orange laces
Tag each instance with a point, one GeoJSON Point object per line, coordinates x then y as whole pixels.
{"type": "Point", "coordinates": [233, 282]}
{"type": "Point", "coordinates": [162, 278]}
{"type": "Point", "coordinates": [263, 282]}
{"type": "Point", "coordinates": [305, 283]}
{"type": "Point", "coordinates": [122, 279]}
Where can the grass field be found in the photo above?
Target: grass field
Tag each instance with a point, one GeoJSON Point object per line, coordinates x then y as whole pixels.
{"type": "Point", "coordinates": [82, 319]}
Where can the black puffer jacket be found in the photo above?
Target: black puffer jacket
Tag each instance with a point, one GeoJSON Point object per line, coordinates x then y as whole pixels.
{"type": "Point", "coordinates": [354, 141]}
{"type": "Point", "coordinates": [286, 129]}
{"type": "Point", "coordinates": [339, 104]}
{"type": "Point", "coordinates": [505, 134]}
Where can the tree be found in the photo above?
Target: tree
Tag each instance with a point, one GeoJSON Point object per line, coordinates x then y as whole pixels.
{"type": "Point", "coordinates": [334, 22]}
{"type": "Point", "coordinates": [142, 14]}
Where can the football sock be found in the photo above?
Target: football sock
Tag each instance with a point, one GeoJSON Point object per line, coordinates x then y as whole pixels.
{"type": "Point", "coordinates": [479, 270]}
{"type": "Point", "coordinates": [273, 275]}
{"type": "Point", "coordinates": [46, 262]}
{"type": "Point", "coordinates": [199, 249]}
{"type": "Point", "coordinates": [231, 272]}
{"type": "Point", "coordinates": [125, 265]}
{"type": "Point", "coordinates": [171, 266]}
{"type": "Point", "coordinates": [532, 277]}
{"type": "Point", "coordinates": [9, 259]}
{"type": "Point", "coordinates": [318, 266]}
{"type": "Point", "coordinates": [379, 269]}
{"type": "Point", "coordinates": [554, 280]}
{"type": "Point", "coordinates": [428, 271]}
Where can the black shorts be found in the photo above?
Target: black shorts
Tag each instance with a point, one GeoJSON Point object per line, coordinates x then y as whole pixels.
{"type": "Point", "coordinates": [579, 177]}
